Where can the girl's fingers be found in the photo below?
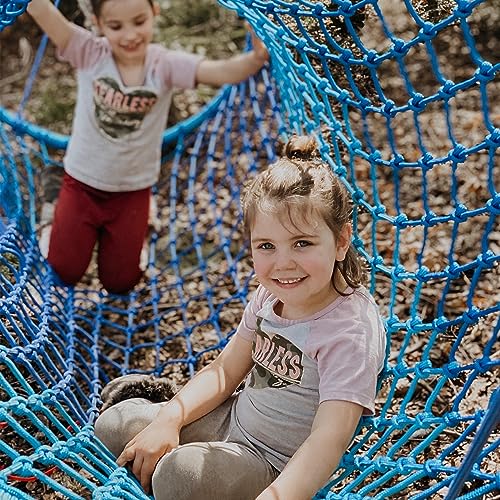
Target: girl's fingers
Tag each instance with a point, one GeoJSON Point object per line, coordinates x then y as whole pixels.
{"type": "Point", "coordinates": [126, 456]}
{"type": "Point", "coordinates": [137, 466]}
{"type": "Point", "coordinates": [148, 467]}
{"type": "Point", "coordinates": [258, 45]}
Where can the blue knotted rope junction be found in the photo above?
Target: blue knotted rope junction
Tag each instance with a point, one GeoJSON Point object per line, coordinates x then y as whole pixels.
{"type": "Point", "coordinates": [403, 98]}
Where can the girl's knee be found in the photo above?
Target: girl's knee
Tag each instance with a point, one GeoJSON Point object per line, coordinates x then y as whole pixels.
{"type": "Point", "coordinates": [120, 284]}
{"type": "Point", "coordinates": [108, 427]}
{"type": "Point", "coordinates": [67, 265]}
{"type": "Point", "coordinates": [66, 274]}
{"type": "Point", "coordinates": [116, 426]}
{"type": "Point", "coordinates": [178, 474]}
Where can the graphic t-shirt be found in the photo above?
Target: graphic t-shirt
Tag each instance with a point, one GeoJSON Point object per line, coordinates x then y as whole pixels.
{"type": "Point", "coordinates": [115, 144]}
{"type": "Point", "coordinates": [336, 354]}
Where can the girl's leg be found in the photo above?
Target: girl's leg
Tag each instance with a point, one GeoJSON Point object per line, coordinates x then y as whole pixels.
{"type": "Point", "coordinates": [73, 233]}
{"type": "Point", "coordinates": [204, 466]}
{"type": "Point", "coordinates": [119, 424]}
{"type": "Point", "coordinates": [121, 240]}
{"type": "Point", "coordinates": [212, 471]}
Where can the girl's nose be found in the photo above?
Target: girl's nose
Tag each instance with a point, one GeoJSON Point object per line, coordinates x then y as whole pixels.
{"type": "Point", "coordinates": [284, 260]}
{"type": "Point", "coordinates": [129, 34]}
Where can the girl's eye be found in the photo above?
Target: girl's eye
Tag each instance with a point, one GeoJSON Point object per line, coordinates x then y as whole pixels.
{"type": "Point", "coordinates": [140, 22]}
{"type": "Point", "coordinates": [266, 246]}
{"type": "Point", "coordinates": [114, 27]}
{"type": "Point", "coordinates": [302, 243]}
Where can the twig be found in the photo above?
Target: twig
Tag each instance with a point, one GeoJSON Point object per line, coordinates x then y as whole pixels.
{"type": "Point", "coordinates": [26, 53]}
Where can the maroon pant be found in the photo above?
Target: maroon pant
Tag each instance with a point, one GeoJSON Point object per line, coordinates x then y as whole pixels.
{"type": "Point", "coordinates": [117, 221]}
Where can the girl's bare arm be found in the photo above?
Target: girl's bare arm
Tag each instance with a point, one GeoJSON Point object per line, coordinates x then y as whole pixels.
{"type": "Point", "coordinates": [51, 21]}
{"type": "Point", "coordinates": [234, 69]}
{"type": "Point", "coordinates": [313, 463]}
{"type": "Point", "coordinates": [206, 391]}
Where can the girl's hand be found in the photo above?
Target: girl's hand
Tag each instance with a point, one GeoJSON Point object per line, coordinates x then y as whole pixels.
{"type": "Point", "coordinates": [259, 49]}
{"type": "Point", "coordinates": [144, 451]}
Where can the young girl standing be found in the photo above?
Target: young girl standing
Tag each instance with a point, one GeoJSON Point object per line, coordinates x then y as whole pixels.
{"type": "Point", "coordinates": [310, 345]}
{"type": "Point", "coordinates": [125, 86]}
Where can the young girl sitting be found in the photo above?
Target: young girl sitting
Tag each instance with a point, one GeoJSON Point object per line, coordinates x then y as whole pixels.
{"type": "Point", "coordinates": [125, 85]}
{"type": "Point", "coordinates": [310, 345]}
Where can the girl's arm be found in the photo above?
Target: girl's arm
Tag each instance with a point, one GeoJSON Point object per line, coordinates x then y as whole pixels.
{"type": "Point", "coordinates": [313, 463]}
{"type": "Point", "coordinates": [206, 391]}
{"type": "Point", "coordinates": [235, 69]}
{"type": "Point", "coordinates": [212, 385]}
{"type": "Point", "coordinates": [52, 22]}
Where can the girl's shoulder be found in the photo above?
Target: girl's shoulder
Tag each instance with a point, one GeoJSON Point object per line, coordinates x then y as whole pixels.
{"type": "Point", "coordinates": [84, 48]}
{"type": "Point", "coordinates": [356, 313]}
{"type": "Point", "coordinates": [355, 299]}
{"type": "Point", "coordinates": [363, 296]}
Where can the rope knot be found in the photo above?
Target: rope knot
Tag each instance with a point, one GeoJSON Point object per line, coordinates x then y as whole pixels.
{"type": "Point", "coordinates": [399, 47]}
{"type": "Point", "coordinates": [405, 465]}
{"type": "Point", "coordinates": [471, 315]}
{"type": "Point", "coordinates": [345, 6]}
{"type": "Point", "coordinates": [417, 103]}
{"type": "Point", "coordinates": [371, 59]}
{"type": "Point", "coordinates": [431, 468]}
{"type": "Point", "coordinates": [452, 418]}
{"type": "Point", "coordinates": [451, 370]}
{"type": "Point", "coordinates": [447, 90]}
{"type": "Point", "coordinates": [389, 109]}
{"type": "Point", "coordinates": [401, 221]}
{"type": "Point", "coordinates": [458, 154]}
{"type": "Point", "coordinates": [485, 72]}
{"type": "Point", "coordinates": [428, 31]}
{"type": "Point", "coordinates": [483, 364]}
{"type": "Point", "coordinates": [423, 369]}
{"type": "Point", "coordinates": [459, 214]}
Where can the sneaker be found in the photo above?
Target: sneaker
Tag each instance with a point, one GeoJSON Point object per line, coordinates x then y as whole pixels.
{"type": "Point", "coordinates": [154, 221]}
{"type": "Point", "coordinates": [45, 227]}
{"type": "Point", "coordinates": [144, 260]}
{"type": "Point", "coordinates": [150, 387]}
{"type": "Point", "coordinates": [154, 224]}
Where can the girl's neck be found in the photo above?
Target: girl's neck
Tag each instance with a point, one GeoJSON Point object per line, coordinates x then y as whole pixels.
{"type": "Point", "coordinates": [131, 72]}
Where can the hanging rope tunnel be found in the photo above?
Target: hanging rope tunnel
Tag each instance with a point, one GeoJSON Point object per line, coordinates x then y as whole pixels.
{"type": "Point", "coordinates": [403, 98]}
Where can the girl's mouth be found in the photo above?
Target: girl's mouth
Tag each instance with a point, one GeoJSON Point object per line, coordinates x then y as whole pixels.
{"type": "Point", "coordinates": [131, 47]}
{"type": "Point", "coordinates": [289, 282]}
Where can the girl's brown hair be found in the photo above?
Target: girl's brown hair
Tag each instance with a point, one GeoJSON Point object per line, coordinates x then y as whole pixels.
{"type": "Point", "coordinates": [300, 179]}
{"type": "Point", "coordinates": [97, 6]}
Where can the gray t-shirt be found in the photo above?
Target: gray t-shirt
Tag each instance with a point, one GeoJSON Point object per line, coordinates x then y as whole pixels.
{"type": "Point", "coordinates": [115, 144]}
{"type": "Point", "coordinates": [336, 354]}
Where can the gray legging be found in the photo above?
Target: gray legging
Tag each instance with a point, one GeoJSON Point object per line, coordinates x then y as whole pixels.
{"type": "Point", "coordinates": [213, 461]}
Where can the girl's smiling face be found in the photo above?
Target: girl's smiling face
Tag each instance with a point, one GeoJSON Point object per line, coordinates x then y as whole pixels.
{"type": "Point", "coordinates": [294, 256]}
{"type": "Point", "coordinates": [128, 26]}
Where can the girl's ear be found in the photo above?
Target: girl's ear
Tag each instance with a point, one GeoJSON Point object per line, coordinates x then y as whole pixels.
{"type": "Point", "coordinates": [344, 241]}
{"type": "Point", "coordinates": [156, 8]}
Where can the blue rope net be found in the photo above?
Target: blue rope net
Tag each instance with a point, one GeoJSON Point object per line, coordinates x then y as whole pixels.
{"type": "Point", "coordinates": [403, 97]}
